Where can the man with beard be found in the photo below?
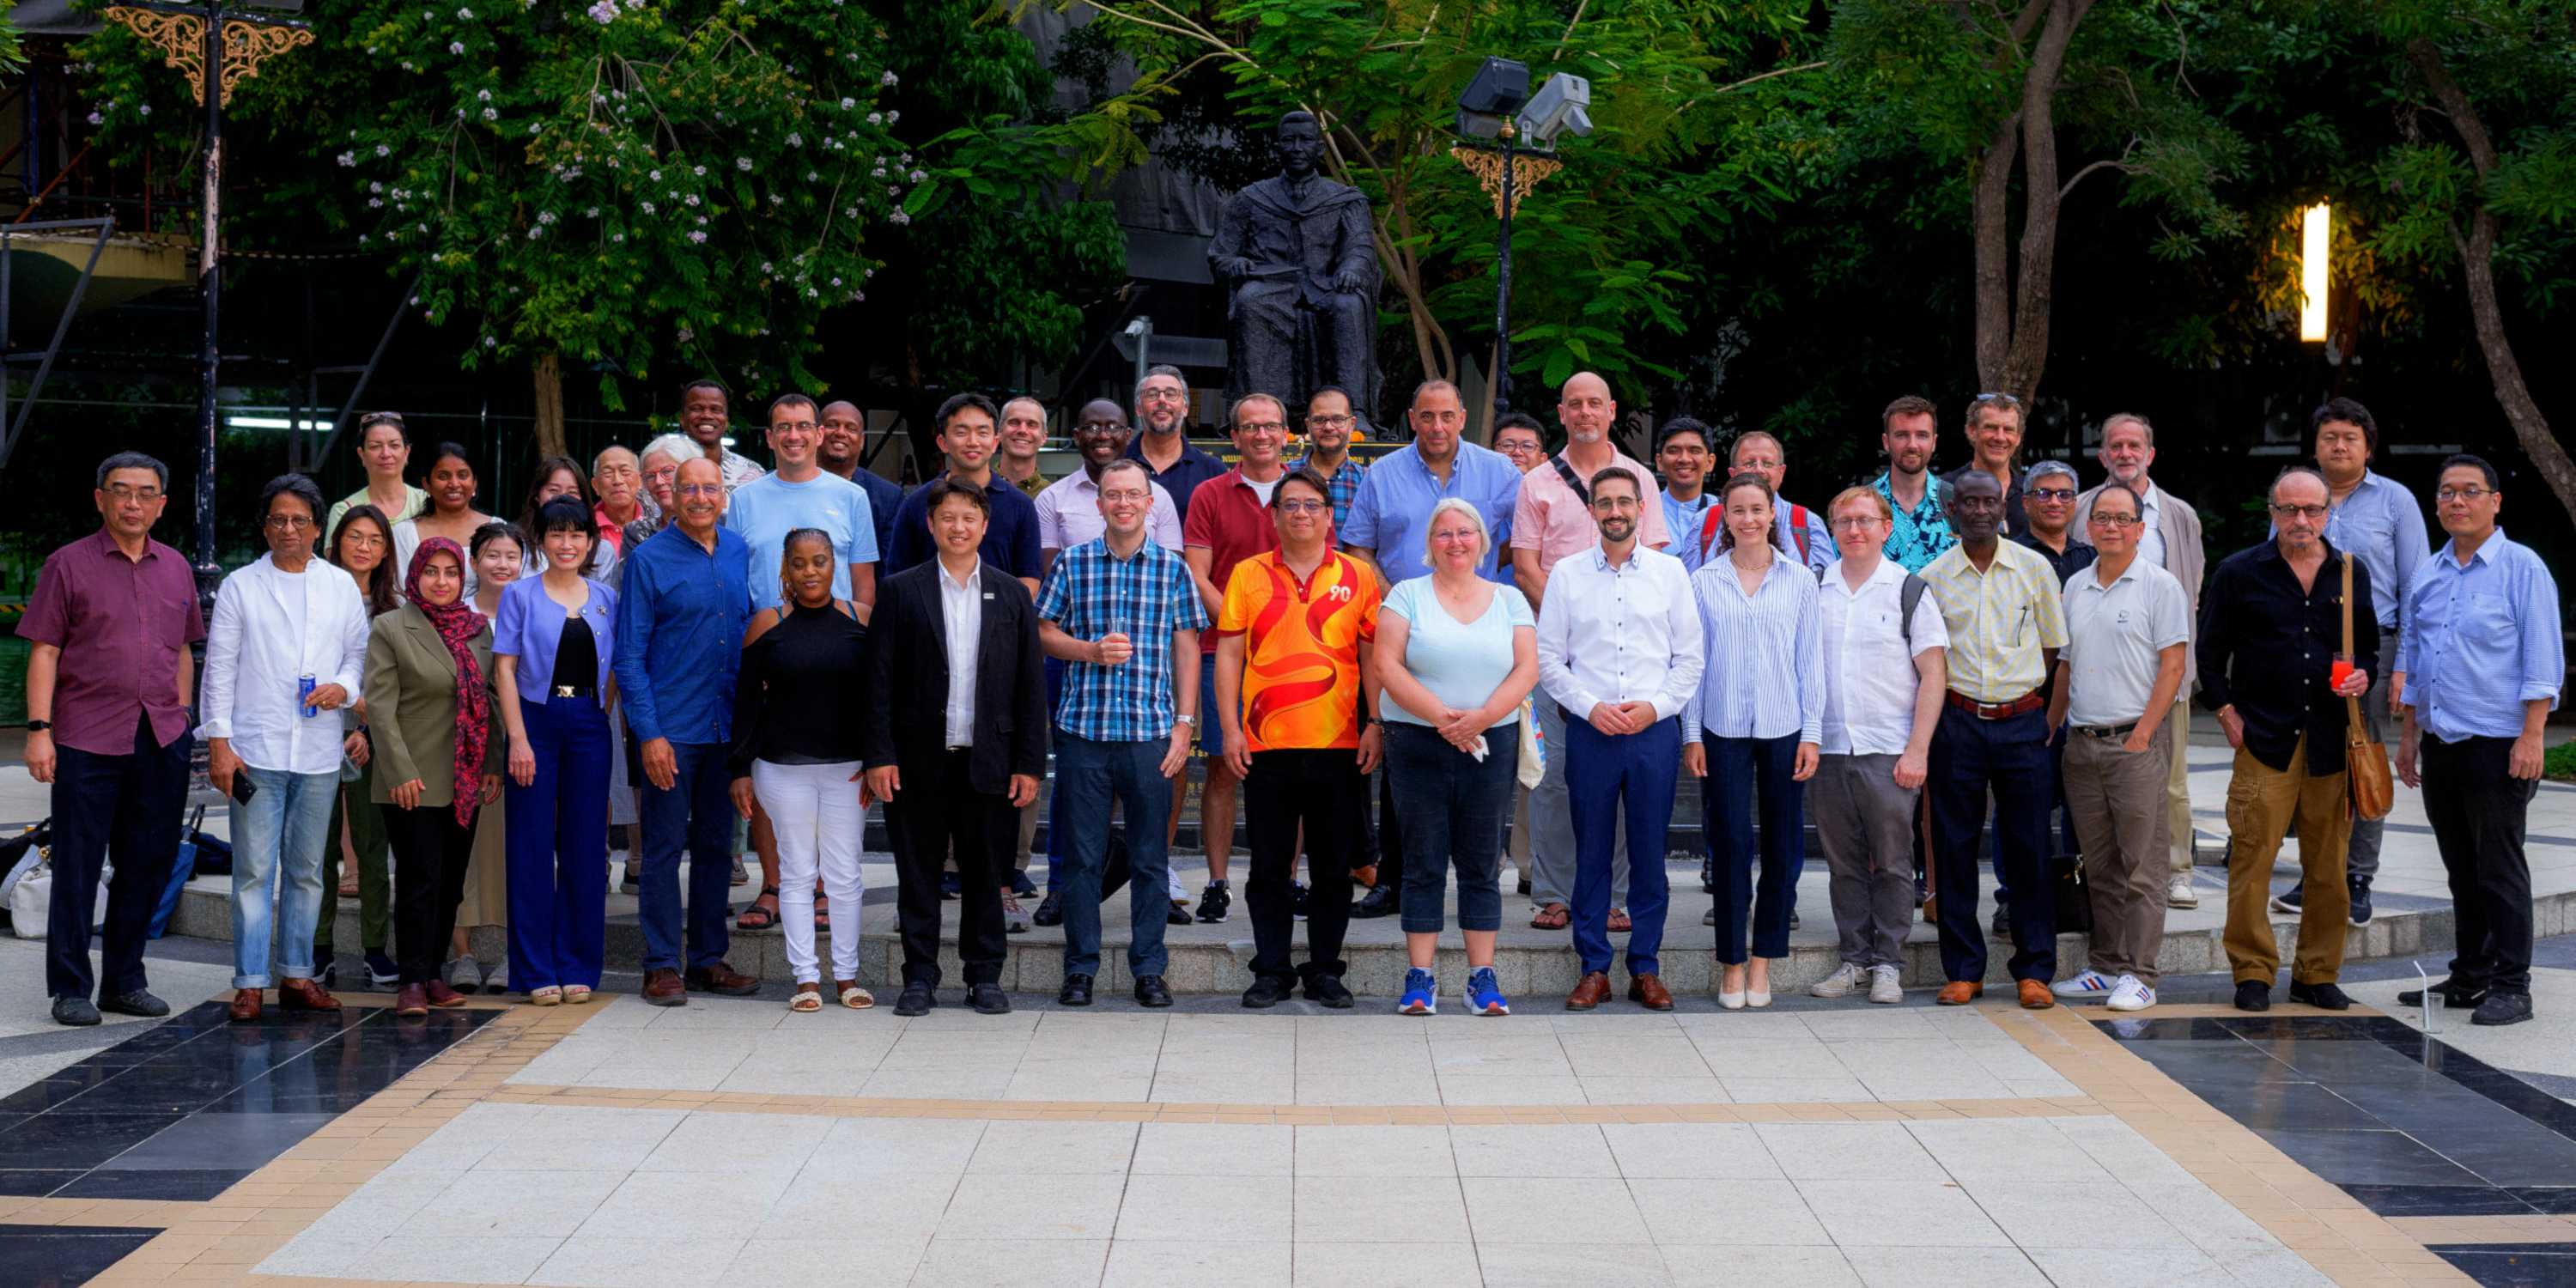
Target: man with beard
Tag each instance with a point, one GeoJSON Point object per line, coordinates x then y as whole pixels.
{"type": "Point", "coordinates": [845, 440]}
{"type": "Point", "coordinates": [1682, 457]}
{"type": "Point", "coordinates": [1329, 426]}
{"type": "Point", "coordinates": [1163, 412]}
{"type": "Point", "coordinates": [1921, 531]}
{"type": "Point", "coordinates": [1024, 432]}
{"type": "Point", "coordinates": [705, 418]}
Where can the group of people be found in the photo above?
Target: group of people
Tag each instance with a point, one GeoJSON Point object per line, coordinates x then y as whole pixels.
{"type": "Point", "coordinates": [685, 643]}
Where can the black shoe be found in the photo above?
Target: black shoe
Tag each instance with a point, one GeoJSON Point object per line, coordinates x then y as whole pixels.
{"type": "Point", "coordinates": [2291, 902]}
{"type": "Point", "coordinates": [139, 1002]}
{"type": "Point", "coordinates": [1326, 990]}
{"type": "Point", "coordinates": [1297, 900]}
{"type": "Point", "coordinates": [75, 1011]}
{"type": "Point", "coordinates": [1525, 883]}
{"type": "Point", "coordinates": [1707, 877]}
{"type": "Point", "coordinates": [1214, 903]}
{"type": "Point", "coordinates": [2253, 995]}
{"type": "Point", "coordinates": [1050, 911]}
{"type": "Point", "coordinates": [2503, 1008]}
{"type": "Point", "coordinates": [1180, 915]}
{"type": "Point", "coordinates": [1793, 919]}
{"type": "Point", "coordinates": [2360, 889]}
{"type": "Point", "coordinates": [631, 880]}
{"type": "Point", "coordinates": [1268, 991]}
{"type": "Point", "coordinates": [1076, 991]}
{"type": "Point", "coordinates": [1020, 883]}
{"type": "Point", "coordinates": [381, 970]}
{"type": "Point", "coordinates": [330, 977]}
{"type": "Point", "coordinates": [1150, 991]}
{"type": "Point", "coordinates": [2001, 926]}
{"type": "Point", "coordinates": [947, 885]}
{"type": "Point", "coordinates": [988, 999]}
{"type": "Point", "coordinates": [917, 999]}
{"type": "Point", "coordinates": [1378, 902]}
{"type": "Point", "coordinates": [2455, 996]}
{"type": "Point", "coordinates": [2324, 997]}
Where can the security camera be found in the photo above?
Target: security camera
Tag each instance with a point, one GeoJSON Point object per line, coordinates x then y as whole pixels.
{"type": "Point", "coordinates": [1557, 110]}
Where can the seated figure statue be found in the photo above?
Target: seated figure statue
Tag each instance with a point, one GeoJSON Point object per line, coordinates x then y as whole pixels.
{"type": "Point", "coordinates": [1299, 267]}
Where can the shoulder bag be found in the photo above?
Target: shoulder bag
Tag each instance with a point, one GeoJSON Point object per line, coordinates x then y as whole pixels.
{"type": "Point", "coordinates": [2365, 761]}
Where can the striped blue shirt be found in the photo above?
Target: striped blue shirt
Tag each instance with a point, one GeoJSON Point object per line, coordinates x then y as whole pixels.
{"type": "Point", "coordinates": [1765, 677]}
{"type": "Point", "coordinates": [2481, 640]}
{"type": "Point", "coordinates": [1146, 596]}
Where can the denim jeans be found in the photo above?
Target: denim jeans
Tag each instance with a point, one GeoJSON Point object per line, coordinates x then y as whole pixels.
{"type": "Point", "coordinates": [277, 864]}
{"type": "Point", "coordinates": [1453, 810]}
{"type": "Point", "coordinates": [1088, 775]}
{"type": "Point", "coordinates": [696, 815]}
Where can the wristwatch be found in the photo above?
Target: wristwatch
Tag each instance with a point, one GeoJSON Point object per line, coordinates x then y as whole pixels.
{"type": "Point", "coordinates": [39, 726]}
{"type": "Point", "coordinates": [1191, 720]}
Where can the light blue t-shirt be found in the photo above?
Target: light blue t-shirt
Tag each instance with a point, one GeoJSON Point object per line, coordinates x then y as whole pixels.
{"type": "Point", "coordinates": [767, 508]}
{"type": "Point", "coordinates": [1461, 663]}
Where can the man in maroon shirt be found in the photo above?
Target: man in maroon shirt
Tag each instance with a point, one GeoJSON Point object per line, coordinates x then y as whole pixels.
{"type": "Point", "coordinates": [1229, 521]}
{"type": "Point", "coordinates": [107, 725]}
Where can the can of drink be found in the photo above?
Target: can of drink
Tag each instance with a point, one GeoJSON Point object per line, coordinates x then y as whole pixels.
{"type": "Point", "coordinates": [303, 696]}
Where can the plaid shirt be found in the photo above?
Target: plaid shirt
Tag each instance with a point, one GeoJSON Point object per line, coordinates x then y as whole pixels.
{"type": "Point", "coordinates": [1147, 596]}
{"type": "Point", "coordinates": [1341, 488]}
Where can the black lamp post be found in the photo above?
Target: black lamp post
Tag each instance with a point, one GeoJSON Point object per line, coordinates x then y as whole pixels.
{"type": "Point", "coordinates": [1508, 149]}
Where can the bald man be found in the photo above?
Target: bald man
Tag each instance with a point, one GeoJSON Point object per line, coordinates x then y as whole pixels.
{"type": "Point", "coordinates": [1024, 432]}
{"type": "Point", "coordinates": [845, 438]}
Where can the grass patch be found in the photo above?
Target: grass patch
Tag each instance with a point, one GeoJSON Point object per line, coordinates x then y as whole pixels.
{"type": "Point", "coordinates": [2560, 763]}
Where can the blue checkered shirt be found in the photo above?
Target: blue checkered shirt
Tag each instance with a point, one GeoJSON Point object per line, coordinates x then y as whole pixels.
{"type": "Point", "coordinates": [1341, 488]}
{"type": "Point", "coordinates": [1147, 596]}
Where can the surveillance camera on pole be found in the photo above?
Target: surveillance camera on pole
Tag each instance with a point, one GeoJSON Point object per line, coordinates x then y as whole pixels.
{"type": "Point", "coordinates": [1556, 111]}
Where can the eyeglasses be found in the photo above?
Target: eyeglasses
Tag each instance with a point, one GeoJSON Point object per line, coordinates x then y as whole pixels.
{"type": "Point", "coordinates": [146, 495]}
{"type": "Point", "coordinates": [2300, 511]}
{"type": "Point", "coordinates": [1331, 422]}
{"type": "Point", "coordinates": [1303, 505]}
{"type": "Point", "coordinates": [1857, 522]}
{"type": "Point", "coordinates": [701, 489]}
{"type": "Point", "coordinates": [1261, 427]}
{"type": "Point", "coordinates": [290, 522]}
{"type": "Point", "coordinates": [1161, 395]}
{"type": "Point", "coordinates": [1124, 496]}
{"type": "Point", "coordinates": [2052, 494]}
{"type": "Point", "coordinates": [2471, 494]}
{"type": "Point", "coordinates": [2101, 520]}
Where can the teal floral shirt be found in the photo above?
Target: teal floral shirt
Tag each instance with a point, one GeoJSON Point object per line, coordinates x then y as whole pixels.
{"type": "Point", "coordinates": [1919, 537]}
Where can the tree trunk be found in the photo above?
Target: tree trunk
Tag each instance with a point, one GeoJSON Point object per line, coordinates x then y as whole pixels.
{"type": "Point", "coordinates": [2012, 315]}
{"type": "Point", "coordinates": [550, 417]}
{"type": "Point", "coordinates": [2477, 258]}
{"type": "Point", "coordinates": [1990, 224]}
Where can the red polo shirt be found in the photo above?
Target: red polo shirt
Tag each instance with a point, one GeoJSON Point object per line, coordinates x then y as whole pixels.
{"type": "Point", "coordinates": [1232, 523]}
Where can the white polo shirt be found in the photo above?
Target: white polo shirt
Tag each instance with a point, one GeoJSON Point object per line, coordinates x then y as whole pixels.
{"type": "Point", "coordinates": [2113, 634]}
{"type": "Point", "coordinates": [1869, 671]}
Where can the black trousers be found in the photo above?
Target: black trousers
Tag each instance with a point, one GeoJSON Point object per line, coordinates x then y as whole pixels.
{"type": "Point", "coordinates": [2477, 810]}
{"type": "Point", "coordinates": [128, 805]}
{"type": "Point", "coordinates": [431, 850]}
{"type": "Point", "coordinates": [1323, 790]}
{"type": "Point", "coordinates": [1389, 835]}
{"type": "Point", "coordinates": [927, 821]}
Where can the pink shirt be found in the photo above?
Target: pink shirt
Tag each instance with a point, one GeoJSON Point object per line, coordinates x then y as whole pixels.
{"type": "Point", "coordinates": [1550, 519]}
{"type": "Point", "coordinates": [121, 624]}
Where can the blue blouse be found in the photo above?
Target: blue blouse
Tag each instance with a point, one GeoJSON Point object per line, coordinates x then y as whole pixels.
{"type": "Point", "coordinates": [529, 626]}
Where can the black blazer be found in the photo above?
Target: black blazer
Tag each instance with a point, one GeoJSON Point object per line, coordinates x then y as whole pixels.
{"type": "Point", "coordinates": [907, 660]}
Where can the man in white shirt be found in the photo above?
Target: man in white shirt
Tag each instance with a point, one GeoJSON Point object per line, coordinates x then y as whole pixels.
{"type": "Point", "coordinates": [1069, 508]}
{"type": "Point", "coordinates": [706, 418]}
{"type": "Point", "coordinates": [1886, 667]}
{"type": "Point", "coordinates": [1619, 649]}
{"type": "Point", "coordinates": [2128, 626]}
{"type": "Point", "coordinates": [274, 745]}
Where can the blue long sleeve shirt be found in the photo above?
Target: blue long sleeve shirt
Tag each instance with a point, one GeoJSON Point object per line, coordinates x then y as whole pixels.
{"type": "Point", "coordinates": [680, 624]}
{"type": "Point", "coordinates": [2481, 640]}
{"type": "Point", "coordinates": [2381, 525]}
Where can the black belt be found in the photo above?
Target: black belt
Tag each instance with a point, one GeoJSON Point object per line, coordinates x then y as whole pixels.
{"type": "Point", "coordinates": [2106, 731]}
{"type": "Point", "coordinates": [575, 691]}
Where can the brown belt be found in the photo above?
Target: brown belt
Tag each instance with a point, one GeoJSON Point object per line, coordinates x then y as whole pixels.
{"type": "Point", "coordinates": [2031, 701]}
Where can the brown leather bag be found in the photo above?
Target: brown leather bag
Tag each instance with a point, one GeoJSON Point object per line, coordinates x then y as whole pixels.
{"type": "Point", "coordinates": [2365, 761]}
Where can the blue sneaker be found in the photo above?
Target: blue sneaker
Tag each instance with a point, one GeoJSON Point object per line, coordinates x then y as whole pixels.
{"type": "Point", "coordinates": [1484, 996]}
{"type": "Point", "coordinates": [1421, 994]}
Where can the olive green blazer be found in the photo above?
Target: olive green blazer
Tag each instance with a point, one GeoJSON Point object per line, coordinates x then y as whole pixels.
{"type": "Point", "coordinates": [411, 707]}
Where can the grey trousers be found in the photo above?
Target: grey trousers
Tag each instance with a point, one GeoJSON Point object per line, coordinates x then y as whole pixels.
{"type": "Point", "coordinates": [1865, 823]}
{"type": "Point", "coordinates": [2118, 800]}
{"type": "Point", "coordinates": [2361, 858]}
{"type": "Point", "coordinates": [1552, 824]}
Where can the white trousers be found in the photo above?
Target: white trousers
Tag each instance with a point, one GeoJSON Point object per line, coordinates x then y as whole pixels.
{"type": "Point", "coordinates": [815, 811]}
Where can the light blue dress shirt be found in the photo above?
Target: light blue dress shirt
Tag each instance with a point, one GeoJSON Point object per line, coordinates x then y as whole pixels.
{"type": "Point", "coordinates": [2381, 525]}
{"type": "Point", "coordinates": [1765, 675]}
{"type": "Point", "coordinates": [1395, 500]}
{"type": "Point", "coordinates": [2481, 641]}
{"type": "Point", "coordinates": [529, 626]}
{"type": "Point", "coordinates": [1683, 521]}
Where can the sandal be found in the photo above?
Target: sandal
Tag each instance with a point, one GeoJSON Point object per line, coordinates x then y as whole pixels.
{"type": "Point", "coordinates": [1552, 917]}
{"type": "Point", "coordinates": [767, 917]}
{"type": "Point", "coordinates": [853, 996]}
{"type": "Point", "coordinates": [1619, 923]}
{"type": "Point", "coordinates": [576, 994]}
{"type": "Point", "coordinates": [808, 997]}
{"type": "Point", "coordinates": [547, 996]}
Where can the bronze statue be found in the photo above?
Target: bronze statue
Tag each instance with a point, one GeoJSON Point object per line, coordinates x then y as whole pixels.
{"type": "Point", "coordinates": [1299, 267]}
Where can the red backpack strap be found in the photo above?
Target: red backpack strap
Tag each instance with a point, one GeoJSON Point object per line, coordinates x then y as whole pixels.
{"type": "Point", "coordinates": [1708, 526]}
{"type": "Point", "coordinates": [1798, 529]}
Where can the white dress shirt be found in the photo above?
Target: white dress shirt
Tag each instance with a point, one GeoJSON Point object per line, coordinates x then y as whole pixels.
{"type": "Point", "coordinates": [2151, 537]}
{"type": "Point", "coordinates": [1069, 514]}
{"type": "Point", "coordinates": [272, 628]}
{"type": "Point", "coordinates": [961, 612]}
{"type": "Point", "coordinates": [1869, 670]}
{"type": "Point", "coordinates": [1624, 634]}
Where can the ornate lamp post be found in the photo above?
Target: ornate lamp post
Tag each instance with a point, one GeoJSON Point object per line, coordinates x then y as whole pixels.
{"type": "Point", "coordinates": [218, 47]}
{"type": "Point", "coordinates": [1518, 157]}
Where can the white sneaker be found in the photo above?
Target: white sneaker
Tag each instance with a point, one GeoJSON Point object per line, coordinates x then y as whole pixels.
{"type": "Point", "coordinates": [2084, 987]}
{"type": "Point", "coordinates": [1845, 978]}
{"type": "Point", "coordinates": [2180, 894]}
{"type": "Point", "coordinates": [2132, 994]}
{"type": "Point", "coordinates": [1884, 987]}
{"type": "Point", "coordinates": [497, 980]}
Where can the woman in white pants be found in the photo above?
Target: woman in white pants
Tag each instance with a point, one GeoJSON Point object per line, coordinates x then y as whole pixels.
{"type": "Point", "coordinates": [796, 751]}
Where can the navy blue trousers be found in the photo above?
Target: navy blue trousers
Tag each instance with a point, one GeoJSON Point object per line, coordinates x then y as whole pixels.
{"type": "Point", "coordinates": [2009, 757]}
{"type": "Point", "coordinates": [1605, 775]}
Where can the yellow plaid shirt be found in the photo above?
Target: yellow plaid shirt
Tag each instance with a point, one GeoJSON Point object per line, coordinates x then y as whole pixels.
{"type": "Point", "coordinates": [1999, 620]}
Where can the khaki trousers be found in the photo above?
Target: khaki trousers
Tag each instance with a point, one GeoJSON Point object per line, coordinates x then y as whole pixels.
{"type": "Point", "coordinates": [2178, 823]}
{"type": "Point", "coordinates": [2261, 802]}
{"type": "Point", "coordinates": [2118, 799]}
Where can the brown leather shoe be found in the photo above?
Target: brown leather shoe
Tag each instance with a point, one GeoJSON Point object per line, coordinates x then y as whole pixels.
{"type": "Point", "coordinates": [245, 1007]}
{"type": "Point", "coordinates": [439, 994]}
{"type": "Point", "coordinates": [413, 999]}
{"type": "Point", "coordinates": [1590, 991]}
{"type": "Point", "coordinates": [1649, 992]}
{"type": "Point", "coordinates": [304, 995]}
{"type": "Point", "coordinates": [723, 980]}
{"type": "Point", "coordinates": [662, 987]}
{"type": "Point", "coordinates": [1960, 992]}
{"type": "Point", "coordinates": [2035, 996]}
